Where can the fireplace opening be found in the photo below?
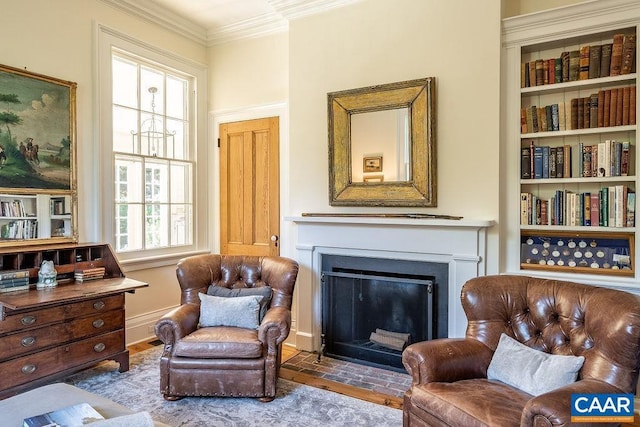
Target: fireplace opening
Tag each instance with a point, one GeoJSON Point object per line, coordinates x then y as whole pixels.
{"type": "Point", "coordinates": [373, 308]}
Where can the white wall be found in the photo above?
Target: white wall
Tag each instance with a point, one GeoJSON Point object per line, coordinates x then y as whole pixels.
{"type": "Point", "coordinates": [369, 43]}
{"type": "Point", "coordinates": [56, 38]}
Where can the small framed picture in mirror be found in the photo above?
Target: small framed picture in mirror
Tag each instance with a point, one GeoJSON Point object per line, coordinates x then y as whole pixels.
{"type": "Point", "coordinates": [372, 164]}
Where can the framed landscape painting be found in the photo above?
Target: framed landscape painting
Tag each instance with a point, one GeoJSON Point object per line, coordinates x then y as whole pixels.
{"type": "Point", "coordinates": [37, 131]}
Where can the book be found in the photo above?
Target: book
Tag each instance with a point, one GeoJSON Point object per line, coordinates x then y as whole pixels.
{"type": "Point", "coordinates": [545, 71]}
{"type": "Point", "coordinates": [564, 59]}
{"type": "Point", "coordinates": [628, 53]}
{"type": "Point", "coordinates": [560, 162]}
{"type": "Point", "coordinates": [534, 119]}
{"type": "Point", "coordinates": [583, 74]}
{"type": "Point", "coordinates": [567, 162]}
{"type": "Point", "coordinates": [580, 113]}
{"type": "Point", "coordinates": [523, 121]}
{"type": "Point", "coordinates": [632, 105]}
{"type": "Point", "coordinates": [605, 60]}
{"type": "Point", "coordinates": [13, 274]}
{"type": "Point", "coordinates": [616, 55]}
{"type": "Point", "coordinates": [619, 100]}
{"type": "Point", "coordinates": [600, 118]}
{"type": "Point", "coordinates": [626, 92]}
{"type": "Point", "coordinates": [606, 107]}
{"type": "Point", "coordinates": [538, 154]}
{"type": "Point", "coordinates": [631, 209]}
{"type": "Point", "coordinates": [613, 107]}
{"type": "Point", "coordinates": [574, 113]}
{"type": "Point", "coordinates": [561, 116]}
{"type": "Point", "coordinates": [540, 72]}
{"type": "Point", "coordinates": [625, 158]}
{"type": "Point", "coordinates": [595, 52]}
{"type": "Point", "coordinates": [525, 163]}
{"type": "Point", "coordinates": [593, 110]}
{"type": "Point", "coordinates": [555, 118]}
{"type": "Point", "coordinates": [71, 416]}
{"type": "Point", "coordinates": [574, 65]}
{"type": "Point", "coordinates": [532, 73]}
{"type": "Point", "coordinates": [595, 210]}
{"type": "Point", "coordinates": [557, 63]}
{"type": "Point", "coordinates": [586, 161]}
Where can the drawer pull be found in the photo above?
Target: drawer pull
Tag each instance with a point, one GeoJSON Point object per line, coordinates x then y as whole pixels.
{"type": "Point", "coordinates": [28, 341]}
{"type": "Point", "coordinates": [99, 347]}
{"type": "Point", "coordinates": [28, 320]}
{"type": "Point", "coordinates": [28, 369]}
{"type": "Point", "coordinates": [98, 323]}
{"type": "Point", "coordinates": [98, 305]}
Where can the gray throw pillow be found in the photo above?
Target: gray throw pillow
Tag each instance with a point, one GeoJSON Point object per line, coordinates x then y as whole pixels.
{"type": "Point", "coordinates": [264, 291]}
{"type": "Point", "coordinates": [530, 370]}
{"type": "Point", "coordinates": [240, 312]}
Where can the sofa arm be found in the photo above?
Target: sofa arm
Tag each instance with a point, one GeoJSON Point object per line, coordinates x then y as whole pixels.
{"type": "Point", "coordinates": [177, 323]}
{"type": "Point", "coordinates": [275, 328]}
{"type": "Point", "coordinates": [446, 360]}
{"type": "Point", "coordinates": [554, 408]}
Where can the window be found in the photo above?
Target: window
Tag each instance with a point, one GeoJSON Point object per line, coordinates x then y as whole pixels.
{"type": "Point", "coordinates": [153, 166]}
{"type": "Point", "coordinates": [150, 141]}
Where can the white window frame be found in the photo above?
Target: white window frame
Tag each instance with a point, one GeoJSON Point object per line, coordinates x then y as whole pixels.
{"type": "Point", "coordinates": [107, 40]}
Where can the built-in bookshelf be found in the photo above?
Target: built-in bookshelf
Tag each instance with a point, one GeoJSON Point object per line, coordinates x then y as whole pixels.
{"type": "Point", "coordinates": [570, 111]}
{"type": "Point", "coordinates": [29, 217]}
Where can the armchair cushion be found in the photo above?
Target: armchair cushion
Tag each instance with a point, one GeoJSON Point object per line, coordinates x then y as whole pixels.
{"type": "Point", "coordinates": [220, 342]}
{"type": "Point", "coordinates": [530, 370]}
{"type": "Point", "coordinates": [264, 291]}
{"type": "Point", "coordinates": [240, 312]}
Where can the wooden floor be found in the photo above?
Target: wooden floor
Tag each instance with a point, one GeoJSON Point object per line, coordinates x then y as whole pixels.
{"type": "Point", "coordinates": [302, 378]}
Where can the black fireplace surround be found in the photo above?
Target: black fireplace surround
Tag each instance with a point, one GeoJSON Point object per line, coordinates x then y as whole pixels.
{"type": "Point", "coordinates": [362, 296]}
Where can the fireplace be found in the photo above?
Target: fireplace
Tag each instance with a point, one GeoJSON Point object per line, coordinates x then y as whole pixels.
{"type": "Point", "coordinates": [372, 308]}
{"type": "Point", "coordinates": [454, 250]}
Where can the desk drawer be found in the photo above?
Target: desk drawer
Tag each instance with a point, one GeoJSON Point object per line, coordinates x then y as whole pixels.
{"type": "Point", "coordinates": [22, 320]}
{"type": "Point", "coordinates": [32, 340]}
{"type": "Point", "coordinates": [37, 365]}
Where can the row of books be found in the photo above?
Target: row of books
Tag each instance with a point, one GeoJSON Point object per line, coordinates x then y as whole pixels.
{"type": "Point", "coordinates": [14, 280]}
{"type": "Point", "coordinates": [604, 159]}
{"type": "Point", "coordinates": [607, 108]}
{"type": "Point", "coordinates": [13, 208]}
{"type": "Point", "coordinates": [612, 206]}
{"type": "Point", "coordinates": [587, 62]}
{"type": "Point", "coordinates": [89, 274]}
{"type": "Point", "coordinates": [19, 229]}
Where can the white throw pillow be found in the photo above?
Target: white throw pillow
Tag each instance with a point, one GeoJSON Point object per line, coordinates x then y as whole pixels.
{"type": "Point", "coordinates": [530, 370]}
{"type": "Point", "coordinates": [241, 312]}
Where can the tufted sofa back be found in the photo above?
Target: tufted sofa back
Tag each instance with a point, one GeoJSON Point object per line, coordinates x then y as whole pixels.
{"type": "Point", "coordinates": [197, 272]}
{"type": "Point", "coordinates": [560, 317]}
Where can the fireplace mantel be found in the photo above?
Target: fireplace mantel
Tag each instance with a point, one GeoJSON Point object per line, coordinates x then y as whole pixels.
{"type": "Point", "coordinates": [460, 243]}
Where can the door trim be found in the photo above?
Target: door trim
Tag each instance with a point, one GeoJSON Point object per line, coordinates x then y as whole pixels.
{"type": "Point", "coordinates": [280, 110]}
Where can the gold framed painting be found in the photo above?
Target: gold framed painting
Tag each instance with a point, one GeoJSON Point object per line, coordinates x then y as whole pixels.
{"type": "Point", "coordinates": [37, 131]}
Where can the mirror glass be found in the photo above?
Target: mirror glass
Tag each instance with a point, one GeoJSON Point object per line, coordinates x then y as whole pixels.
{"type": "Point", "coordinates": [382, 135]}
{"type": "Point", "coordinates": [382, 146]}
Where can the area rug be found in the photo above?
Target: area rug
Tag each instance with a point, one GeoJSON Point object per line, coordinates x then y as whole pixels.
{"type": "Point", "coordinates": [294, 405]}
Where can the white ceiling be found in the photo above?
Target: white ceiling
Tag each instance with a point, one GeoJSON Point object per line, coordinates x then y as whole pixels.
{"type": "Point", "coordinates": [217, 21]}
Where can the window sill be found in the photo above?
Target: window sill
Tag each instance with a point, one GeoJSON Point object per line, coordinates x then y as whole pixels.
{"type": "Point", "coordinates": [144, 263]}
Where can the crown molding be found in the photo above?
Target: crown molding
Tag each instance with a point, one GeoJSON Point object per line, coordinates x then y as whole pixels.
{"type": "Point", "coordinates": [150, 12]}
{"type": "Point", "coordinates": [270, 23]}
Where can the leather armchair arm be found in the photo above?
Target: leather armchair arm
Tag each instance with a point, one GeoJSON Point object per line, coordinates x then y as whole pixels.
{"type": "Point", "coordinates": [178, 323]}
{"type": "Point", "coordinates": [446, 360]}
{"type": "Point", "coordinates": [275, 328]}
{"type": "Point", "coordinates": [554, 408]}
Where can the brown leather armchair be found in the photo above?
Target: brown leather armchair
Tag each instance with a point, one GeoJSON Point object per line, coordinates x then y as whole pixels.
{"type": "Point", "coordinates": [449, 376]}
{"type": "Point", "coordinates": [225, 360]}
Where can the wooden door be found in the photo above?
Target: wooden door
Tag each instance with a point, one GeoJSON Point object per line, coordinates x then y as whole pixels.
{"type": "Point", "coordinates": [249, 187]}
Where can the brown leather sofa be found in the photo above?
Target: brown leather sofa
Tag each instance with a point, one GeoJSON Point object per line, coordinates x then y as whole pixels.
{"type": "Point", "coordinates": [449, 376]}
{"type": "Point", "coordinates": [225, 360]}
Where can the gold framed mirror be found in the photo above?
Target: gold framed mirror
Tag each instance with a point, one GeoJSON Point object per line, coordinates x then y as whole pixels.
{"type": "Point", "coordinates": [408, 147]}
